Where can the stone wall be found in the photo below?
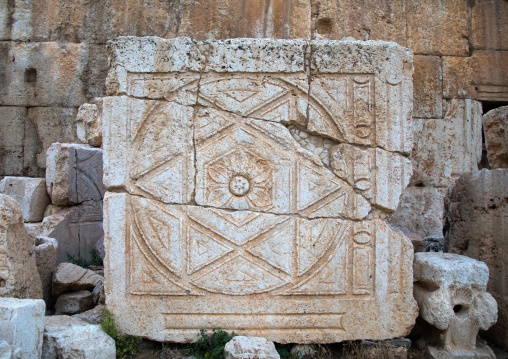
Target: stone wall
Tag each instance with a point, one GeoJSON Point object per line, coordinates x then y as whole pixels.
{"type": "Point", "coordinates": [54, 59]}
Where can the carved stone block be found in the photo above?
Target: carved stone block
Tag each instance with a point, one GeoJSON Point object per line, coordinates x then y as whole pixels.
{"type": "Point", "coordinates": [451, 293]}
{"type": "Point", "coordinates": [228, 221]}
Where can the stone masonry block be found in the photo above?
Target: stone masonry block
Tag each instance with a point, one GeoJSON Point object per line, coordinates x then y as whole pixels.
{"type": "Point", "coordinates": [489, 25]}
{"type": "Point", "coordinates": [428, 91]}
{"type": "Point", "coordinates": [22, 325]}
{"type": "Point", "coordinates": [495, 129]}
{"type": "Point", "coordinates": [30, 193]}
{"type": "Point", "coordinates": [12, 135]}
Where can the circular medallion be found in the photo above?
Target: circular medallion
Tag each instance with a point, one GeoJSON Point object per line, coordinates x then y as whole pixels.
{"type": "Point", "coordinates": [239, 185]}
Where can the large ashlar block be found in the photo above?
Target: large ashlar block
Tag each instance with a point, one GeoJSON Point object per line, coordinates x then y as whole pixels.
{"type": "Point", "coordinates": [218, 217]}
{"type": "Point", "coordinates": [477, 226]}
{"type": "Point", "coordinates": [451, 292]}
{"type": "Point", "coordinates": [30, 193]}
{"type": "Point", "coordinates": [22, 325]}
{"type": "Point", "coordinates": [74, 174]}
{"type": "Point", "coordinates": [18, 273]}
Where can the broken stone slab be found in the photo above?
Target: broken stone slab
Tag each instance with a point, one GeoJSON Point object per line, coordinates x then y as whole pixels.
{"type": "Point", "coordinates": [451, 293]}
{"type": "Point", "coordinates": [69, 277]}
{"type": "Point", "coordinates": [379, 175]}
{"type": "Point", "coordinates": [74, 302]}
{"type": "Point", "coordinates": [495, 127]}
{"type": "Point", "coordinates": [76, 228]}
{"type": "Point", "coordinates": [22, 325]}
{"type": "Point", "coordinates": [66, 337]}
{"type": "Point", "coordinates": [477, 226]}
{"type": "Point", "coordinates": [46, 255]}
{"type": "Point", "coordinates": [30, 193]}
{"type": "Point", "coordinates": [89, 123]}
{"type": "Point", "coordinates": [18, 272]}
{"type": "Point", "coordinates": [92, 316]}
{"type": "Point", "coordinates": [74, 174]}
{"type": "Point", "coordinates": [241, 347]}
{"type": "Point", "coordinates": [241, 255]}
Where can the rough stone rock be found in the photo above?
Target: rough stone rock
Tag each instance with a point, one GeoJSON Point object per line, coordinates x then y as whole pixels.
{"type": "Point", "coordinates": [46, 255]}
{"type": "Point", "coordinates": [10, 351]}
{"type": "Point", "coordinates": [446, 27]}
{"type": "Point", "coordinates": [12, 136]}
{"type": "Point", "coordinates": [428, 90]}
{"type": "Point", "coordinates": [451, 293]}
{"type": "Point", "coordinates": [379, 175]}
{"type": "Point", "coordinates": [302, 351]}
{"type": "Point", "coordinates": [477, 226]}
{"type": "Point", "coordinates": [89, 123]}
{"type": "Point", "coordinates": [451, 146]}
{"type": "Point", "coordinates": [495, 127]}
{"type": "Point", "coordinates": [30, 193]}
{"type": "Point", "coordinates": [67, 338]}
{"type": "Point", "coordinates": [421, 211]}
{"type": "Point", "coordinates": [221, 200]}
{"type": "Point", "coordinates": [74, 302]}
{"type": "Point", "coordinates": [241, 347]}
{"type": "Point", "coordinates": [98, 294]}
{"type": "Point", "coordinates": [76, 228]}
{"type": "Point", "coordinates": [22, 325]}
{"type": "Point", "coordinates": [74, 174]}
{"type": "Point", "coordinates": [18, 273]}
{"type": "Point", "coordinates": [92, 316]}
{"type": "Point", "coordinates": [69, 277]}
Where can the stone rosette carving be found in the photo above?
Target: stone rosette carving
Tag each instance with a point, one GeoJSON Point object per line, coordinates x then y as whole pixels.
{"type": "Point", "coordinates": [224, 220]}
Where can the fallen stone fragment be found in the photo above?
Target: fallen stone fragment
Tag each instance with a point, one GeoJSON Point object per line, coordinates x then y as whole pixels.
{"type": "Point", "coordinates": [241, 347]}
{"type": "Point", "coordinates": [89, 123]}
{"type": "Point", "coordinates": [68, 338]}
{"type": "Point", "coordinates": [18, 272]}
{"type": "Point", "coordinates": [477, 226]}
{"type": "Point", "coordinates": [74, 174]}
{"type": "Point", "coordinates": [46, 254]}
{"type": "Point", "coordinates": [92, 316]}
{"type": "Point", "coordinates": [495, 127]}
{"type": "Point", "coordinates": [30, 193]}
{"type": "Point", "coordinates": [74, 302]}
{"type": "Point", "coordinates": [69, 277]}
{"type": "Point", "coordinates": [451, 293]}
{"type": "Point", "coordinates": [22, 325]}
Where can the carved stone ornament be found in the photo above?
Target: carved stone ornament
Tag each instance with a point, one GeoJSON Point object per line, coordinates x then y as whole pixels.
{"type": "Point", "coordinates": [216, 216]}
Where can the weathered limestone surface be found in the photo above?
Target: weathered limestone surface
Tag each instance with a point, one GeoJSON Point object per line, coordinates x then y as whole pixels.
{"type": "Point", "coordinates": [477, 226]}
{"type": "Point", "coordinates": [228, 218]}
{"type": "Point", "coordinates": [488, 25]}
{"type": "Point", "coordinates": [451, 146]}
{"type": "Point", "coordinates": [241, 347]}
{"type": "Point", "coordinates": [46, 256]}
{"type": "Point", "coordinates": [451, 294]}
{"type": "Point", "coordinates": [421, 211]}
{"type": "Point", "coordinates": [18, 273]}
{"type": "Point", "coordinates": [74, 174]}
{"type": "Point", "coordinates": [428, 93]}
{"type": "Point", "coordinates": [495, 127]}
{"type": "Point", "coordinates": [92, 316]}
{"type": "Point", "coordinates": [22, 325]}
{"type": "Point", "coordinates": [76, 228]}
{"type": "Point", "coordinates": [74, 302]}
{"type": "Point", "coordinates": [89, 123]}
{"type": "Point", "coordinates": [12, 136]}
{"type": "Point", "coordinates": [69, 277]}
{"type": "Point", "coordinates": [30, 193]}
{"type": "Point", "coordinates": [10, 351]}
{"type": "Point", "coordinates": [67, 337]}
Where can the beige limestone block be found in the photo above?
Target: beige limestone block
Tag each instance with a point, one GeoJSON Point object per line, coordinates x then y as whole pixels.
{"type": "Point", "coordinates": [250, 347]}
{"type": "Point", "coordinates": [18, 273]}
{"type": "Point", "coordinates": [476, 226]}
{"type": "Point", "coordinates": [52, 124]}
{"type": "Point", "coordinates": [22, 325]}
{"type": "Point", "coordinates": [488, 25]}
{"type": "Point", "coordinates": [69, 277]}
{"type": "Point", "coordinates": [495, 128]}
{"type": "Point", "coordinates": [67, 337]}
{"type": "Point", "coordinates": [451, 292]}
{"type": "Point", "coordinates": [46, 255]}
{"type": "Point", "coordinates": [362, 20]}
{"type": "Point", "coordinates": [458, 74]}
{"type": "Point", "coordinates": [30, 193]}
{"type": "Point", "coordinates": [89, 124]}
{"type": "Point", "coordinates": [421, 211]}
{"type": "Point", "coordinates": [437, 28]}
{"type": "Point", "coordinates": [12, 135]}
{"type": "Point", "coordinates": [242, 269]}
{"type": "Point", "coordinates": [380, 176]}
{"type": "Point", "coordinates": [44, 74]}
{"type": "Point", "coordinates": [428, 91]}
{"type": "Point", "coordinates": [451, 146]}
